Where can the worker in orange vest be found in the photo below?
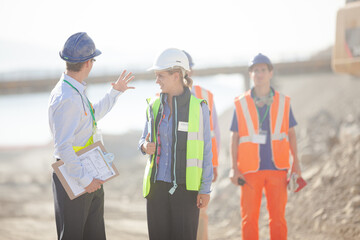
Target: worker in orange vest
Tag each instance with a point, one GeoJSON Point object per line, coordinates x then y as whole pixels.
{"type": "Point", "coordinates": [203, 93]}
{"type": "Point", "coordinates": [262, 138]}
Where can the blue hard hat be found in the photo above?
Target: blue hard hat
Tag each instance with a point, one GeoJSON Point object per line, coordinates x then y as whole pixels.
{"type": "Point", "coordinates": [191, 63]}
{"type": "Point", "coordinates": [79, 48]}
{"type": "Point", "coordinates": [260, 59]}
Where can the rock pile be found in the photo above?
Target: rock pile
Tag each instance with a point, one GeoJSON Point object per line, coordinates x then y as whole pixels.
{"type": "Point", "coordinates": [330, 204]}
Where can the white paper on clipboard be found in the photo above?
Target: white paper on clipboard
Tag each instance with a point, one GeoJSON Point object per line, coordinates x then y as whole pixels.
{"type": "Point", "coordinates": [92, 158]}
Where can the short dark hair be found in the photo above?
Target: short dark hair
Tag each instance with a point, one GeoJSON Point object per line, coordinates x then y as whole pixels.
{"type": "Point", "coordinates": [74, 67]}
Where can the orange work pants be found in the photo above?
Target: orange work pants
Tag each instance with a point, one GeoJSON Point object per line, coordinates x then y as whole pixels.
{"type": "Point", "coordinates": [274, 183]}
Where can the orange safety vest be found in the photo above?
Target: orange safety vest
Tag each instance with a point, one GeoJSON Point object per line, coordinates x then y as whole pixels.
{"type": "Point", "coordinates": [208, 96]}
{"type": "Point", "coordinates": [248, 157]}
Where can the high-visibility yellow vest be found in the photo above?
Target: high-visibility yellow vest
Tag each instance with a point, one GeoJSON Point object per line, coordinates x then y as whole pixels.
{"type": "Point", "coordinates": [208, 96]}
{"type": "Point", "coordinates": [248, 157]}
{"type": "Point", "coordinates": [194, 144]}
{"type": "Point", "coordinates": [88, 143]}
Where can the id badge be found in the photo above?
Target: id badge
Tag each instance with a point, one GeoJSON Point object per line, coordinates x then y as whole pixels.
{"type": "Point", "coordinates": [183, 126]}
{"type": "Point", "coordinates": [259, 138]}
{"type": "Point", "coordinates": [98, 136]}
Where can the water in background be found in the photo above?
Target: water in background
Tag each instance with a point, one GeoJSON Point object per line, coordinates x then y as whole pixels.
{"type": "Point", "coordinates": [24, 119]}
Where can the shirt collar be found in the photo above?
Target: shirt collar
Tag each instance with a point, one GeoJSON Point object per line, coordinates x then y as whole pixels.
{"type": "Point", "coordinates": [181, 99]}
{"type": "Point", "coordinates": [253, 92]}
{"type": "Point", "coordinates": [79, 86]}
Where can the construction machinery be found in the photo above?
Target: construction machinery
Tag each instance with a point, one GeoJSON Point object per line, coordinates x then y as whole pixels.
{"type": "Point", "coordinates": [346, 52]}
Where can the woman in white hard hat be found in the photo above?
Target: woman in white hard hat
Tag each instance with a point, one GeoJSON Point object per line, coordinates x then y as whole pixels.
{"type": "Point", "coordinates": [177, 137]}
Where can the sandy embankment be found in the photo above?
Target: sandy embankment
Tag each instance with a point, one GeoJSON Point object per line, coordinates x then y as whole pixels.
{"type": "Point", "coordinates": [326, 107]}
{"type": "Point", "coordinates": [26, 200]}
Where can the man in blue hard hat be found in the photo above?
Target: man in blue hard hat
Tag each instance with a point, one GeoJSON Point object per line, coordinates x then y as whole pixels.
{"type": "Point", "coordinates": [262, 138]}
{"type": "Point", "coordinates": [73, 123]}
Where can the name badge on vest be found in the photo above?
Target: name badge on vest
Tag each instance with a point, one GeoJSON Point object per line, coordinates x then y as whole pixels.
{"type": "Point", "coordinates": [259, 138]}
{"type": "Point", "coordinates": [183, 126]}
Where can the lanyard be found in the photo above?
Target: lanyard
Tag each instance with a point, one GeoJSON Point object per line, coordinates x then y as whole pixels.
{"type": "Point", "coordinates": [266, 113]}
{"type": "Point", "coordinates": [90, 105]}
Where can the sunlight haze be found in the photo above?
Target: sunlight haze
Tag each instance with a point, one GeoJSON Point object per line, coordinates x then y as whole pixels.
{"type": "Point", "coordinates": [131, 33]}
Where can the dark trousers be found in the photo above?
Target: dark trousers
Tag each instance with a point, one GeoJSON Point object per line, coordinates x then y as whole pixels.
{"type": "Point", "coordinates": [172, 217]}
{"type": "Point", "coordinates": [81, 218]}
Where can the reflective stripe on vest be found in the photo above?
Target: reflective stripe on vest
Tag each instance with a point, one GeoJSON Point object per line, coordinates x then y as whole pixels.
{"type": "Point", "coordinates": [194, 146]}
{"type": "Point", "coordinates": [208, 96]}
{"type": "Point", "coordinates": [88, 143]}
{"type": "Point", "coordinates": [248, 126]}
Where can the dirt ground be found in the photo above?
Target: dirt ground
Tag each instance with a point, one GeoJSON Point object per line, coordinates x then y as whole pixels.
{"type": "Point", "coordinates": [326, 107]}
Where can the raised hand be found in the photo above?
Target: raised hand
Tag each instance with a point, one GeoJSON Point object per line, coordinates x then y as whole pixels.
{"type": "Point", "coordinates": [122, 83]}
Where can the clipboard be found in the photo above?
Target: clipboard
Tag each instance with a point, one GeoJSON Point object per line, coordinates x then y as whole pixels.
{"type": "Point", "coordinates": [72, 188]}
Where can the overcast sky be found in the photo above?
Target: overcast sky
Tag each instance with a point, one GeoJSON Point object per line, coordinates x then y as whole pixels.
{"type": "Point", "coordinates": [131, 33]}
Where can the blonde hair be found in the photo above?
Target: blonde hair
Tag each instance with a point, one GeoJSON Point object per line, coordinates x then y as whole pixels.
{"type": "Point", "coordinates": [187, 81]}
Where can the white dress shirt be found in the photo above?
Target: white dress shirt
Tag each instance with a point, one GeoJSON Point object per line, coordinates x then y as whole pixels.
{"type": "Point", "coordinates": [71, 123]}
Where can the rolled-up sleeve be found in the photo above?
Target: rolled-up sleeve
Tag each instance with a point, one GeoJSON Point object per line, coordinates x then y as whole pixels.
{"type": "Point", "coordinates": [207, 174]}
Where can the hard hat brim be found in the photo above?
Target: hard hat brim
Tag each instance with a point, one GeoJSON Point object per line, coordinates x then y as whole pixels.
{"type": "Point", "coordinates": [159, 68]}
{"type": "Point", "coordinates": [156, 68]}
{"type": "Point", "coordinates": [96, 53]}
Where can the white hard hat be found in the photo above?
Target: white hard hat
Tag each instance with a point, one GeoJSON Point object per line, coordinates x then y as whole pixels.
{"type": "Point", "coordinates": [169, 58]}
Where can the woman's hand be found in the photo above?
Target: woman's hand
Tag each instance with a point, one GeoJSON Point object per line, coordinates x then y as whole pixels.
{"type": "Point", "coordinates": [148, 147]}
{"type": "Point", "coordinates": [202, 200]}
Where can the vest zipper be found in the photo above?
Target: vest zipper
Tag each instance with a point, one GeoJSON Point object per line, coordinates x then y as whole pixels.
{"type": "Point", "coordinates": [172, 190]}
